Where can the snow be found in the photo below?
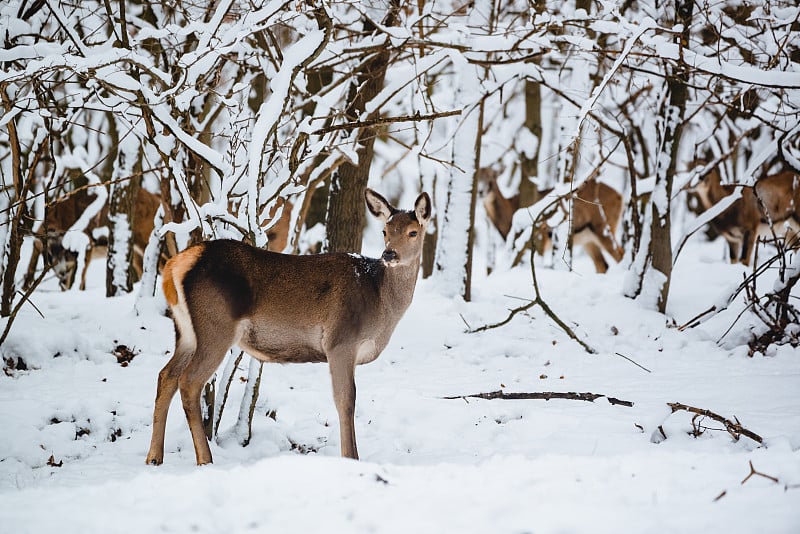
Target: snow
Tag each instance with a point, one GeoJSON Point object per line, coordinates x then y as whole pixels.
{"type": "Point", "coordinates": [427, 464]}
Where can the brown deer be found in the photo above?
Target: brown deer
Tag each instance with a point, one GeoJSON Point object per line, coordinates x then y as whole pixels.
{"type": "Point", "coordinates": [62, 215]}
{"type": "Point", "coordinates": [340, 308]}
{"type": "Point", "coordinates": [596, 212]}
{"type": "Point", "coordinates": [771, 205]}
{"type": "Point", "coordinates": [499, 208]}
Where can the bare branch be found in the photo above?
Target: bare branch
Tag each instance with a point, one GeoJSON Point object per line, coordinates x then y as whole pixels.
{"type": "Point", "coordinates": [542, 395]}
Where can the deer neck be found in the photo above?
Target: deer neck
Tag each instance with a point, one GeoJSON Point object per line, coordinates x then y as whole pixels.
{"type": "Point", "coordinates": [398, 285]}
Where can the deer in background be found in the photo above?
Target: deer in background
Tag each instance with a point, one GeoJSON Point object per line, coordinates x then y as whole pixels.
{"type": "Point", "coordinates": [596, 212]}
{"type": "Point", "coordinates": [340, 308]}
{"type": "Point", "coordinates": [771, 205]}
{"type": "Point", "coordinates": [59, 219]}
{"type": "Point", "coordinates": [499, 208]}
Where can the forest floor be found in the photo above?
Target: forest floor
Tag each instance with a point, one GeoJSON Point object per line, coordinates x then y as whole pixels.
{"type": "Point", "coordinates": [75, 422]}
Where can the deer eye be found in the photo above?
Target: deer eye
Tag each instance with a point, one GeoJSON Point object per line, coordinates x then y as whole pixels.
{"type": "Point", "coordinates": [412, 233]}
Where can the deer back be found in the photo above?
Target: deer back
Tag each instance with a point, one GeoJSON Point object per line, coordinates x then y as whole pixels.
{"type": "Point", "coordinates": [597, 207]}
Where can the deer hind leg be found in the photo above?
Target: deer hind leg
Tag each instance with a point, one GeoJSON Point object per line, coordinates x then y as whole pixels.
{"type": "Point", "coordinates": [733, 249]}
{"type": "Point", "coordinates": [342, 366]}
{"type": "Point", "coordinates": [610, 243]}
{"type": "Point", "coordinates": [213, 342]}
{"type": "Point", "coordinates": [167, 386]}
{"type": "Point", "coordinates": [594, 252]}
{"type": "Point", "coordinates": [137, 262]}
{"type": "Point", "coordinates": [87, 258]}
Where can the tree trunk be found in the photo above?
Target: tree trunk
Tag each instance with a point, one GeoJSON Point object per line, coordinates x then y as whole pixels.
{"type": "Point", "coordinates": [529, 165]}
{"type": "Point", "coordinates": [345, 217]}
{"type": "Point", "coordinates": [121, 216]}
{"type": "Point", "coordinates": [24, 177]}
{"type": "Point", "coordinates": [455, 240]}
{"type": "Point", "coordinates": [656, 264]}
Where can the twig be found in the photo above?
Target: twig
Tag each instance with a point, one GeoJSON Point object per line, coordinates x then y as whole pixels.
{"type": "Point", "coordinates": [633, 362]}
{"type": "Point", "coordinates": [541, 395]}
{"type": "Point", "coordinates": [735, 429]}
{"type": "Point", "coordinates": [697, 319]}
{"type": "Point", "coordinates": [417, 117]}
{"type": "Point", "coordinates": [754, 472]}
{"type": "Point", "coordinates": [538, 300]}
{"type": "Point", "coordinates": [22, 301]}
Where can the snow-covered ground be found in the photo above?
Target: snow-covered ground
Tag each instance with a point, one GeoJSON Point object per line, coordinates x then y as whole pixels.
{"type": "Point", "coordinates": [75, 426]}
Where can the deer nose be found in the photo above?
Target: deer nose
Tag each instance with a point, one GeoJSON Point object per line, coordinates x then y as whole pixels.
{"type": "Point", "coordinates": [389, 255]}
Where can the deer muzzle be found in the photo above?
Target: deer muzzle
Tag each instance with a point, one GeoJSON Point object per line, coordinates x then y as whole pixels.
{"type": "Point", "coordinates": [389, 256]}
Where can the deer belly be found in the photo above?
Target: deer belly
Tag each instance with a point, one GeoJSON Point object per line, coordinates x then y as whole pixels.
{"type": "Point", "coordinates": [283, 344]}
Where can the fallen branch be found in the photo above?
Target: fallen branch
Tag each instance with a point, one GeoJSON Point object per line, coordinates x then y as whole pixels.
{"type": "Point", "coordinates": [754, 472]}
{"type": "Point", "coordinates": [542, 395]}
{"type": "Point", "coordinates": [735, 429]}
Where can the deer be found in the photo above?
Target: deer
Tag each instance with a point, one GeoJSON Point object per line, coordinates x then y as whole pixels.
{"type": "Point", "coordinates": [770, 207]}
{"type": "Point", "coordinates": [339, 308]}
{"type": "Point", "coordinates": [499, 209]}
{"type": "Point", "coordinates": [596, 212]}
{"type": "Point", "coordinates": [60, 218]}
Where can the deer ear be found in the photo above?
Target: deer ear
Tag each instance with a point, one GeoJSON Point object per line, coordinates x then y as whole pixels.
{"type": "Point", "coordinates": [378, 205]}
{"type": "Point", "coordinates": [422, 208]}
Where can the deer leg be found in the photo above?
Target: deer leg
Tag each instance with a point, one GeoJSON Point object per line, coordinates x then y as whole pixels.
{"type": "Point", "coordinates": [342, 366]}
{"type": "Point", "coordinates": [87, 259]}
{"type": "Point", "coordinates": [610, 244]}
{"type": "Point", "coordinates": [748, 242]}
{"type": "Point", "coordinates": [167, 386]}
{"type": "Point", "coordinates": [30, 274]}
{"type": "Point", "coordinates": [733, 250]}
{"type": "Point", "coordinates": [211, 349]}
{"type": "Point", "coordinates": [137, 262]}
{"type": "Point", "coordinates": [596, 254]}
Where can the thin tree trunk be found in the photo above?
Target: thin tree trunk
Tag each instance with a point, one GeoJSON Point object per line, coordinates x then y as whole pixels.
{"type": "Point", "coordinates": [655, 263]}
{"type": "Point", "coordinates": [121, 216]}
{"type": "Point", "coordinates": [24, 178]}
{"type": "Point", "coordinates": [529, 164]}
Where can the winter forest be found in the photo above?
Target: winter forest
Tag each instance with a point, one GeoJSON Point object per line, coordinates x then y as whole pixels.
{"type": "Point", "coordinates": [605, 327]}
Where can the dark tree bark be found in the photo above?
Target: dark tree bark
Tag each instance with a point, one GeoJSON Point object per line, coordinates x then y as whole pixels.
{"type": "Point", "coordinates": [20, 221]}
{"type": "Point", "coordinates": [673, 114]}
{"type": "Point", "coordinates": [345, 217]}
{"type": "Point", "coordinates": [658, 252]}
{"type": "Point", "coordinates": [529, 165]}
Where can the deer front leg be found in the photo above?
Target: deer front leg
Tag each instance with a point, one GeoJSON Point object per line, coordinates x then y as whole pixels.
{"type": "Point", "coordinates": [342, 366]}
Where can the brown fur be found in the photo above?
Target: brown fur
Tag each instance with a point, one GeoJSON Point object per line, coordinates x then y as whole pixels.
{"type": "Point", "coordinates": [62, 215]}
{"type": "Point", "coordinates": [499, 208]}
{"type": "Point", "coordinates": [771, 205]}
{"type": "Point", "coordinates": [596, 212]}
{"type": "Point", "coordinates": [278, 234]}
{"type": "Point", "coordinates": [339, 308]}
